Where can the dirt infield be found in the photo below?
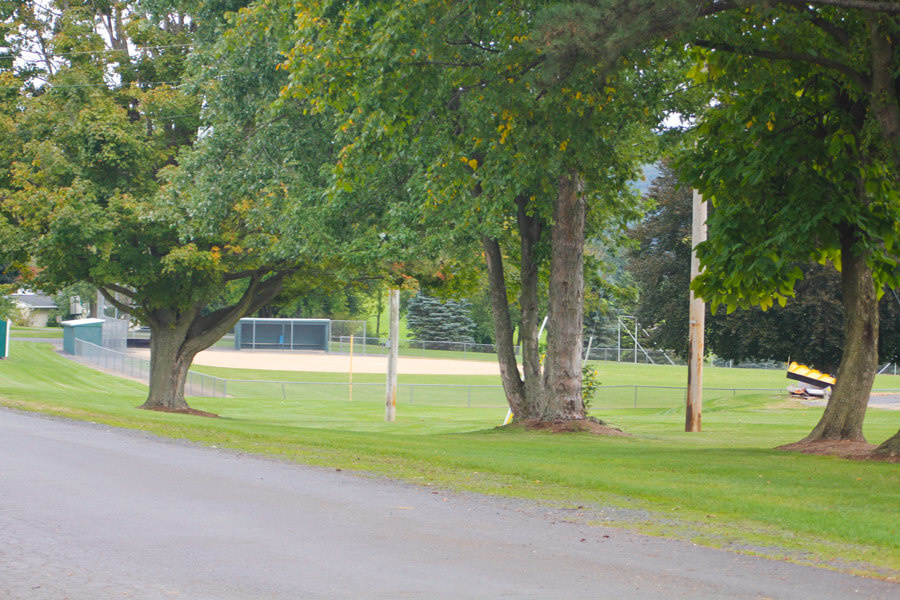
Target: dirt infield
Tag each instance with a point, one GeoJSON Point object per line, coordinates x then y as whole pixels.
{"type": "Point", "coordinates": [334, 363]}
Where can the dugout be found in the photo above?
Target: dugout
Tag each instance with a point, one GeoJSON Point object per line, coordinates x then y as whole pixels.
{"type": "Point", "coordinates": [86, 330]}
{"type": "Point", "coordinates": [282, 334]}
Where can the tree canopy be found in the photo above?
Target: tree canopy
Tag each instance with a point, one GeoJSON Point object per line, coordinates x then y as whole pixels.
{"type": "Point", "coordinates": [453, 96]}
{"type": "Point", "coordinates": [809, 328]}
{"type": "Point", "coordinates": [111, 184]}
{"type": "Point", "coordinates": [798, 156]}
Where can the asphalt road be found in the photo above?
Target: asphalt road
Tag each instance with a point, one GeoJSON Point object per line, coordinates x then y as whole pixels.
{"type": "Point", "coordinates": [89, 512]}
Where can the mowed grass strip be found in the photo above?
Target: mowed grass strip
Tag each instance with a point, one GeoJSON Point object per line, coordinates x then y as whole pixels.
{"type": "Point", "coordinates": [724, 487]}
{"type": "Point", "coordinates": [36, 332]}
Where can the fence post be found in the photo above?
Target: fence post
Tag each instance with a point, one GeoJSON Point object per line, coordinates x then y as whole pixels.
{"type": "Point", "coordinates": [469, 399]}
{"type": "Point", "coordinates": [283, 393]}
{"type": "Point", "coordinates": [635, 396]}
{"type": "Point", "coordinates": [412, 386]}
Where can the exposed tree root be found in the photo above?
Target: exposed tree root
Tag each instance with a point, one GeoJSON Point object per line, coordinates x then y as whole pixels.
{"type": "Point", "coordinates": [589, 425]}
{"type": "Point", "coordinates": [849, 449]}
{"type": "Point", "coordinates": [184, 411]}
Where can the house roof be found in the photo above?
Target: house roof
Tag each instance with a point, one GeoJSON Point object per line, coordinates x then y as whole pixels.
{"type": "Point", "coordinates": [34, 300]}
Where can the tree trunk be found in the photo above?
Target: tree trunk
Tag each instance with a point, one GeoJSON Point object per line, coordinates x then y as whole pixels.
{"type": "Point", "coordinates": [886, 108]}
{"type": "Point", "coordinates": [503, 334]}
{"type": "Point", "coordinates": [177, 337]}
{"type": "Point", "coordinates": [530, 234]}
{"type": "Point", "coordinates": [379, 308]}
{"type": "Point", "coordinates": [170, 361]}
{"type": "Point", "coordinates": [846, 409]}
{"type": "Point", "coordinates": [890, 447]}
{"type": "Point", "coordinates": [885, 104]}
{"type": "Point", "coordinates": [562, 368]}
{"type": "Point", "coordinates": [555, 393]}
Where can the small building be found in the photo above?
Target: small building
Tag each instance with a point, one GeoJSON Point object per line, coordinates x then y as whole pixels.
{"type": "Point", "coordinates": [85, 330]}
{"type": "Point", "coordinates": [282, 334]}
{"type": "Point", "coordinates": [34, 308]}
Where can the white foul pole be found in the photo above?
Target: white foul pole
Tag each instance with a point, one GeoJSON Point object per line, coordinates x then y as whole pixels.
{"type": "Point", "coordinates": [694, 406]}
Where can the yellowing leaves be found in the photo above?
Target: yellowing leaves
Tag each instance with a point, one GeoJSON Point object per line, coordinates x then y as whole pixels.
{"type": "Point", "coordinates": [189, 256]}
{"type": "Point", "coordinates": [244, 206]}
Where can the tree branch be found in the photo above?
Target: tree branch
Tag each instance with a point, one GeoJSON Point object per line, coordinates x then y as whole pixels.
{"type": "Point", "coordinates": [125, 308]}
{"type": "Point", "coordinates": [439, 63]}
{"type": "Point", "coordinates": [468, 41]}
{"type": "Point", "coordinates": [828, 27]}
{"type": "Point", "coordinates": [870, 5]}
{"type": "Point", "coordinates": [714, 7]}
{"type": "Point", "coordinates": [242, 274]}
{"type": "Point", "coordinates": [119, 289]}
{"type": "Point", "coordinates": [208, 328]}
{"type": "Point", "coordinates": [821, 61]}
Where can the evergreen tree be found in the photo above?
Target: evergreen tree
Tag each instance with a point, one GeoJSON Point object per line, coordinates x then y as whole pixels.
{"type": "Point", "coordinates": [432, 319]}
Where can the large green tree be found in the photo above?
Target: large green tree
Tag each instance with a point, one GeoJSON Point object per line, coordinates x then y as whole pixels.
{"type": "Point", "coordinates": [495, 156]}
{"type": "Point", "coordinates": [800, 159]}
{"type": "Point", "coordinates": [839, 54]}
{"type": "Point", "coordinates": [111, 184]}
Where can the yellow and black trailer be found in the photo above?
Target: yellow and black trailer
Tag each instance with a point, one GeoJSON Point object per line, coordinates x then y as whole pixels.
{"type": "Point", "coordinates": [809, 376]}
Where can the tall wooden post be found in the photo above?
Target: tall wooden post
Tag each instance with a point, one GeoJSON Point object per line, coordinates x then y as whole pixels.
{"type": "Point", "coordinates": [694, 407]}
{"type": "Point", "coordinates": [390, 401]}
{"type": "Point", "coordinates": [351, 367]}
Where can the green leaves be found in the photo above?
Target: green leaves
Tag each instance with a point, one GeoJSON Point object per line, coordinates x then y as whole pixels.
{"type": "Point", "coordinates": [789, 155]}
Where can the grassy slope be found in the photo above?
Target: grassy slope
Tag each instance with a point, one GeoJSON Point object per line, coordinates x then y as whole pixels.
{"type": "Point", "coordinates": [724, 487]}
{"type": "Point", "coordinates": [36, 332]}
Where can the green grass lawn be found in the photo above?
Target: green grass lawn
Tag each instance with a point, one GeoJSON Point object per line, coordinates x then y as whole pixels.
{"type": "Point", "coordinates": [624, 386]}
{"type": "Point", "coordinates": [36, 332]}
{"type": "Point", "coordinates": [724, 487]}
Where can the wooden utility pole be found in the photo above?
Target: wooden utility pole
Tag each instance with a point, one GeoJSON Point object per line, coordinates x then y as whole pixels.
{"type": "Point", "coordinates": [390, 401]}
{"type": "Point", "coordinates": [351, 367]}
{"type": "Point", "coordinates": [694, 407]}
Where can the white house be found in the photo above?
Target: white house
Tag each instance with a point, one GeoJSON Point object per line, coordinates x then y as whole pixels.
{"type": "Point", "coordinates": [34, 308]}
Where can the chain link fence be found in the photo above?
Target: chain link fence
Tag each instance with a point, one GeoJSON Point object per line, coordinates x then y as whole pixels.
{"type": "Point", "coordinates": [133, 367]}
{"type": "Point", "coordinates": [423, 348]}
{"type": "Point", "coordinates": [608, 397]}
